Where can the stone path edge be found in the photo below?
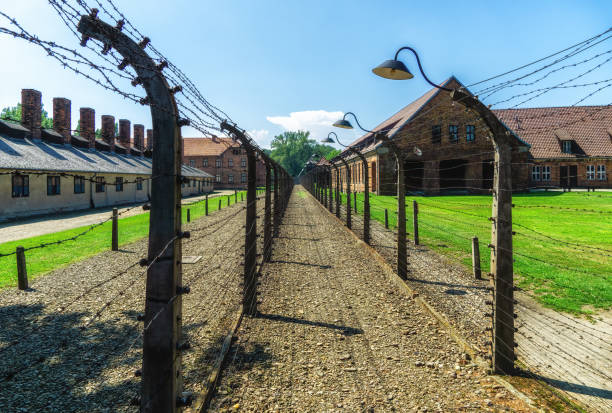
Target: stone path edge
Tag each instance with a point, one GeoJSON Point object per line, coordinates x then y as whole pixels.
{"type": "Point", "coordinates": [427, 307]}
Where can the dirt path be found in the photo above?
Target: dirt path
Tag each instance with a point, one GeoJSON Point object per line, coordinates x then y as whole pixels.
{"type": "Point", "coordinates": [572, 354]}
{"type": "Point", "coordinates": [48, 224]}
{"type": "Point", "coordinates": [334, 334]}
{"type": "Point", "coordinates": [57, 355]}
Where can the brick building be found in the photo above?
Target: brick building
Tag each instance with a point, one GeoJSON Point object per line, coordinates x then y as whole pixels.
{"type": "Point", "coordinates": [45, 171]}
{"type": "Point", "coordinates": [223, 158]}
{"type": "Point", "coordinates": [447, 148]}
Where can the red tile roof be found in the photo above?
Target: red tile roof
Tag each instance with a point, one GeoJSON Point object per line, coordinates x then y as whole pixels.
{"type": "Point", "coordinates": [545, 128]}
{"type": "Point", "coordinates": [207, 146]}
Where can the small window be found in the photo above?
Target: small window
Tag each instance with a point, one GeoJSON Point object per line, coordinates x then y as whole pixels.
{"type": "Point", "coordinates": [100, 184]}
{"type": "Point", "coordinates": [546, 173]}
{"type": "Point", "coordinates": [566, 146]}
{"type": "Point", "coordinates": [436, 134]}
{"type": "Point", "coordinates": [243, 162]}
{"type": "Point", "coordinates": [453, 133]}
{"type": "Point", "coordinates": [236, 151]}
{"type": "Point", "coordinates": [139, 184]}
{"type": "Point", "coordinates": [192, 162]}
{"type": "Point", "coordinates": [243, 177]}
{"type": "Point", "coordinates": [205, 162]}
{"type": "Point", "coordinates": [21, 186]}
{"type": "Point", "coordinates": [535, 173]}
{"type": "Point", "coordinates": [590, 172]}
{"type": "Point", "coordinates": [601, 172]}
{"type": "Point", "coordinates": [470, 132]}
{"type": "Point", "coordinates": [218, 163]}
{"type": "Point", "coordinates": [230, 162]}
{"type": "Point", "coordinates": [53, 185]}
{"type": "Point", "coordinates": [119, 184]}
{"type": "Point", "coordinates": [218, 178]}
{"type": "Point", "coordinates": [230, 178]}
{"type": "Point", "coordinates": [79, 185]}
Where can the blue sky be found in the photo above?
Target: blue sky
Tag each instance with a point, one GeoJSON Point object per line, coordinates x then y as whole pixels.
{"type": "Point", "coordinates": [277, 65]}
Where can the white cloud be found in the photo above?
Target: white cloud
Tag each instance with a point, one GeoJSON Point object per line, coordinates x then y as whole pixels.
{"type": "Point", "coordinates": [317, 122]}
{"type": "Point", "coordinates": [262, 137]}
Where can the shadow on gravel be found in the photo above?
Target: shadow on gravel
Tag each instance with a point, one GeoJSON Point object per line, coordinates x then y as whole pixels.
{"type": "Point", "coordinates": [347, 331]}
{"type": "Point", "coordinates": [452, 287]}
{"type": "Point", "coordinates": [300, 239]}
{"type": "Point", "coordinates": [49, 363]}
{"type": "Point", "coordinates": [571, 387]}
{"type": "Point", "coordinates": [323, 267]}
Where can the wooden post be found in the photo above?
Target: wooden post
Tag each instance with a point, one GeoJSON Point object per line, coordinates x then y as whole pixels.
{"type": "Point", "coordinates": [267, 252]}
{"type": "Point", "coordinates": [161, 377]}
{"type": "Point", "coordinates": [415, 221]}
{"type": "Point", "coordinates": [115, 231]}
{"type": "Point", "coordinates": [502, 266]}
{"type": "Point", "coordinates": [476, 259]}
{"type": "Point", "coordinates": [22, 271]}
{"type": "Point", "coordinates": [206, 206]}
{"type": "Point", "coordinates": [386, 218]}
{"type": "Point", "coordinates": [188, 215]}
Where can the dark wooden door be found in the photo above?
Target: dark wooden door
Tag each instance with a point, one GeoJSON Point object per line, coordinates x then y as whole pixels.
{"type": "Point", "coordinates": [564, 172]}
{"type": "Point", "coordinates": [573, 176]}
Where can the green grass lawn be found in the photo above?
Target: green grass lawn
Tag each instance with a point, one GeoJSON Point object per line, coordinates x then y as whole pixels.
{"type": "Point", "coordinates": [43, 260]}
{"type": "Point", "coordinates": [576, 275]}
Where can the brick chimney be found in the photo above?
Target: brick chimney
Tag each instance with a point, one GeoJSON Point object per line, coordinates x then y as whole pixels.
{"type": "Point", "coordinates": [62, 118]}
{"type": "Point", "coordinates": [125, 133]}
{"type": "Point", "coordinates": [88, 126]}
{"type": "Point", "coordinates": [31, 111]}
{"type": "Point", "coordinates": [150, 139]}
{"type": "Point", "coordinates": [139, 131]}
{"type": "Point", "coordinates": [108, 131]}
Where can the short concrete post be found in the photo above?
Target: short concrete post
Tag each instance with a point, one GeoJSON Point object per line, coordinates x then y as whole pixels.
{"type": "Point", "coordinates": [22, 271]}
{"type": "Point", "coordinates": [219, 203]}
{"type": "Point", "coordinates": [206, 206]}
{"type": "Point", "coordinates": [415, 221]}
{"type": "Point", "coordinates": [236, 196]}
{"type": "Point", "coordinates": [188, 215]}
{"type": "Point", "coordinates": [386, 218]}
{"type": "Point", "coordinates": [115, 231]}
{"type": "Point", "coordinates": [242, 197]}
{"type": "Point", "coordinates": [476, 259]}
{"type": "Point", "coordinates": [229, 200]}
{"type": "Point", "coordinates": [355, 200]}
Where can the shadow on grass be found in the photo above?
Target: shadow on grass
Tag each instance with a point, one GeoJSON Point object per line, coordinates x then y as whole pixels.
{"type": "Point", "coordinates": [48, 363]}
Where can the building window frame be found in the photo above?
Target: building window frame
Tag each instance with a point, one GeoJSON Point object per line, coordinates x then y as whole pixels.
{"type": "Point", "coordinates": [566, 146]}
{"type": "Point", "coordinates": [601, 172]}
{"type": "Point", "coordinates": [205, 162]}
{"type": "Point", "coordinates": [453, 133]}
{"type": "Point", "coordinates": [218, 178]}
{"type": "Point", "coordinates": [243, 162]}
{"type": "Point", "coordinates": [436, 134]}
{"type": "Point", "coordinates": [20, 185]}
{"type": "Point", "coordinates": [535, 173]}
{"type": "Point", "coordinates": [230, 163]}
{"type": "Point", "coordinates": [243, 177]}
{"type": "Point", "coordinates": [119, 184]}
{"type": "Point", "coordinates": [230, 178]}
{"type": "Point", "coordinates": [192, 163]}
{"type": "Point", "coordinates": [139, 184]}
{"type": "Point", "coordinates": [54, 185]}
{"type": "Point", "coordinates": [470, 133]}
{"type": "Point", "coordinates": [79, 184]}
{"type": "Point", "coordinates": [546, 175]}
{"type": "Point", "coordinates": [218, 163]}
{"type": "Point", "coordinates": [590, 172]}
{"type": "Point", "coordinates": [100, 184]}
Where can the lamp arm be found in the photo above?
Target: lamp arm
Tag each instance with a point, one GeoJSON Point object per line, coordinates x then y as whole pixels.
{"type": "Point", "coordinates": [357, 120]}
{"type": "Point", "coordinates": [420, 68]}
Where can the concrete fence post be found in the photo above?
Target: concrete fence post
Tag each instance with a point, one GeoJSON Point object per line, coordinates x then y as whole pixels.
{"type": "Point", "coordinates": [188, 215]}
{"type": "Point", "coordinates": [415, 221]}
{"type": "Point", "coordinates": [22, 271]}
{"type": "Point", "coordinates": [476, 259]}
{"type": "Point", "coordinates": [206, 206]}
{"type": "Point", "coordinates": [386, 218]}
{"type": "Point", "coordinates": [115, 231]}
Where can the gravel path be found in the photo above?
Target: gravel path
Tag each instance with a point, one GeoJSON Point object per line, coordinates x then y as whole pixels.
{"type": "Point", "coordinates": [335, 334]}
{"type": "Point", "coordinates": [69, 360]}
{"type": "Point", "coordinates": [48, 224]}
{"type": "Point", "coordinates": [572, 354]}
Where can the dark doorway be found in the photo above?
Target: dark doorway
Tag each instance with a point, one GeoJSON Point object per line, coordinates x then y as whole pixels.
{"type": "Point", "coordinates": [569, 176]}
{"type": "Point", "coordinates": [452, 174]}
{"type": "Point", "coordinates": [413, 175]}
{"type": "Point", "coordinates": [487, 174]}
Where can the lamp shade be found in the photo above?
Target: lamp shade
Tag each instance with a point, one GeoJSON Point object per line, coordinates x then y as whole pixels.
{"type": "Point", "coordinates": [327, 140]}
{"type": "Point", "coordinates": [393, 69]}
{"type": "Point", "coordinates": [343, 123]}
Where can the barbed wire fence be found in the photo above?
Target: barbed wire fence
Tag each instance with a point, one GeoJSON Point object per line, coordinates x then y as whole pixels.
{"type": "Point", "coordinates": [114, 56]}
{"type": "Point", "coordinates": [549, 345]}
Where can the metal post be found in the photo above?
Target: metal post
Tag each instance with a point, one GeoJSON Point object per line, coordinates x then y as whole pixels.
{"type": "Point", "coordinates": [22, 271]}
{"type": "Point", "coordinates": [476, 259]}
{"type": "Point", "coordinates": [161, 378]}
{"type": "Point", "coordinates": [115, 231]}
{"type": "Point", "coordinates": [415, 221]}
{"type": "Point", "coordinates": [502, 266]}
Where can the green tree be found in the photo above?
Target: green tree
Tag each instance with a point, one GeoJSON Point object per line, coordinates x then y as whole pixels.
{"type": "Point", "coordinates": [14, 114]}
{"type": "Point", "coordinates": [293, 149]}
